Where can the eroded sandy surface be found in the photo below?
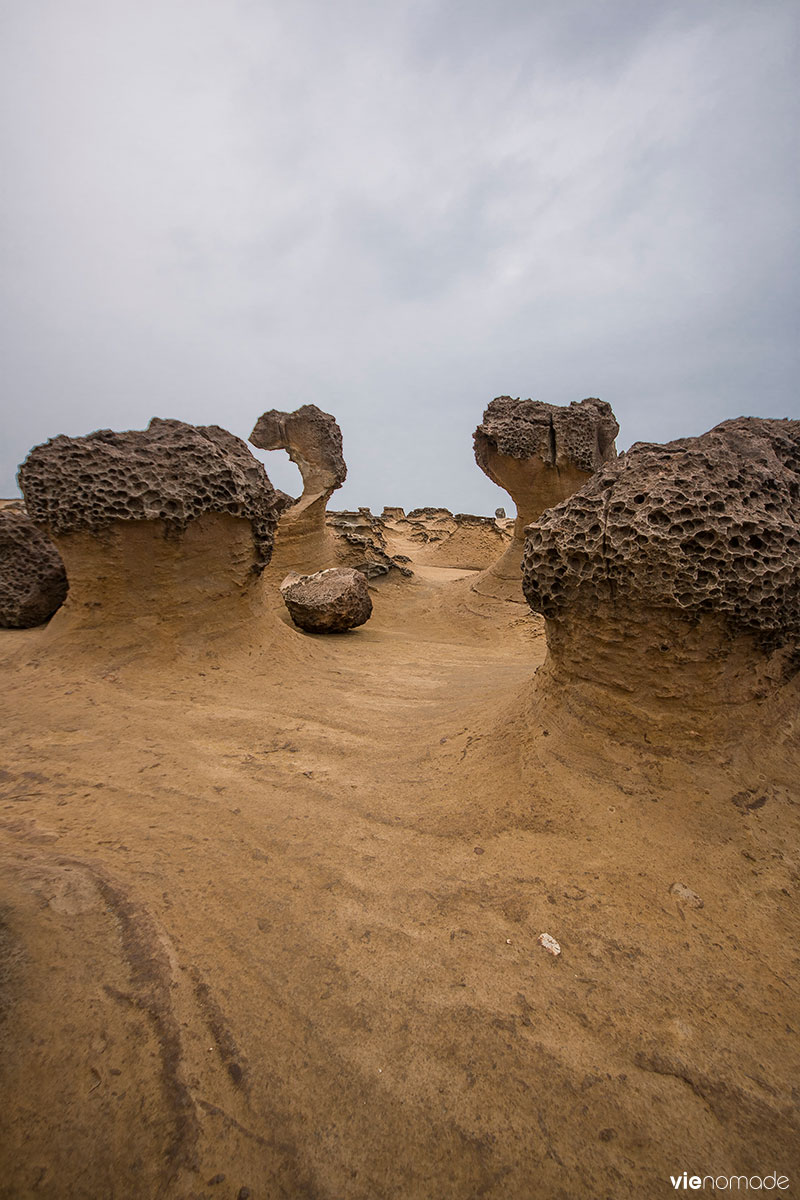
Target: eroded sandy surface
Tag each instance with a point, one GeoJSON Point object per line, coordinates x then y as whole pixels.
{"type": "Point", "coordinates": [270, 915]}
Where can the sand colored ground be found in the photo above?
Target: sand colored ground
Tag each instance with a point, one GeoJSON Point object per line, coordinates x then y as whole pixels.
{"type": "Point", "coordinates": [269, 910]}
{"type": "Point", "coordinates": [452, 544]}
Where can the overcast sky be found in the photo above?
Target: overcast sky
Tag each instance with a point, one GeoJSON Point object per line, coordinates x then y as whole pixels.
{"type": "Point", "coordinates": [396, 210]}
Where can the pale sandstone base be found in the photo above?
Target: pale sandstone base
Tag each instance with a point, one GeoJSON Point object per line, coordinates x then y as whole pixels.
{"type": "Point", "coordinates": [303, 543]}
{"type": "Point", "coordinates": [155, 587]}
{"type": "Point", "coordinates": [658, 681]}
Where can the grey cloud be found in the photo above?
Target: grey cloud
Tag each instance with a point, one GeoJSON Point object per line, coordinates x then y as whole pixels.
{"type": "Point", "coordinates": [396, 212]}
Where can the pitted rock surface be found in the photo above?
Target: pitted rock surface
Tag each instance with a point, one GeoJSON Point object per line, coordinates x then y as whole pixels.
{"type": "Point", "coordinates": [580, 436]}
{"type": "Point", "coordinates": [170, 471]}
{"type": "Point", "coordinates": [33, 583]}
{"type": "Point", "coordinates": [709, 524]}
{"type": "Point", "coordinates": [331, 601]}
{"type": "Point", "coordinates": [313, 441]}
{"type": "Point", "coordinates": [540, 454]}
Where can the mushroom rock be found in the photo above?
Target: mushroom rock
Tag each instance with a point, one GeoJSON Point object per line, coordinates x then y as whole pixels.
{"type": "Point", "coordinates": [670, 586]}
{"type": "Point", "coordinates": [313, 440]}
{"type": "Point", "coordinates": [33, 583]}
{"type": "Point", "coordinates": [540, 454]}
{"type": "Point", "coordinates": [164, 530]}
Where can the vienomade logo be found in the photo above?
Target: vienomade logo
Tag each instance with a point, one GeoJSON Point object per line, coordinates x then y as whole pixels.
{"type": "Point", "coordinates": [733, 1183]}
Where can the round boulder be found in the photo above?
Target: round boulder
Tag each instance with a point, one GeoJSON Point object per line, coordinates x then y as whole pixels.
{"type": "Point", "coordinates": [33, 583]}
{"type": "Point", "coordinates": [331, 601]}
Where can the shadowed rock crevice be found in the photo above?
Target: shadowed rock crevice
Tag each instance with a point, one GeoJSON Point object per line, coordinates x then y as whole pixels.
{"type": "Point", "coordinates": [540, 454]}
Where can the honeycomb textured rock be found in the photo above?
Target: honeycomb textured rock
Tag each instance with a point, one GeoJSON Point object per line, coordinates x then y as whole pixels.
{"type": "Point", "coordinates": [700, 525]}
{"type": "Point", "coordinates": [170, 471]}
{"type": "Point", "coordinates": [581, 435]}
{"type": "Point", "coordinates": [33, 583]}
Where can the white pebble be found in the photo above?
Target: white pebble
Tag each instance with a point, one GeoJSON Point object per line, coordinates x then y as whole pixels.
{"type": "Point", "coordinates": [549, 943]}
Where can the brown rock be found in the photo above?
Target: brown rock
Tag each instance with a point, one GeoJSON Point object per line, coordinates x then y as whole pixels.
{"type": "Point", "coordinates": [313, 440]}
{"type": "Point", "coordinates": [541, 454]}
{"type": "Point", "coordinates": [673, 577]}
{"type": "Point", "coordinates": [169, 472]}
{"type": "Point", "coordinates": [331, 601]}
{"type": "Point", "coordinates": [33, 583]}
{"type": "Point", "coordinates": [165, 528]}
{"type": "Point", "coordinates": [361, 543]}
{"type": "Point", "coordinates": [706, 524]}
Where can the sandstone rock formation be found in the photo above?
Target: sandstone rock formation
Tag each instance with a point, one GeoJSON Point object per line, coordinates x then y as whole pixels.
{"type": "Point", "coordinates": [670, 583]}
{"type": "Point", "coordinates": [435, 537]}
{"type": "Point", "coordinates": [361, 543]}
{"type": "Point", "coordinates": [313, 441]}
{"type": "Point", "coordinates": [540, 454]}
{"type": "Point", "coordinates": [153, 524]}
{"type": "Point", "coordinates": [33, 583]}
{"type": "Point", "coordinates": [331, 601]}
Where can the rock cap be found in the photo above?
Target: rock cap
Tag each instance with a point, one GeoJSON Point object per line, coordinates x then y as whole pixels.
{"type": "Point", "coordinates": [708, 524]}
{"type": "Point", "coordinates": [313, 441]}
{"type": "Point", "coordinates": [580, 435]}
{"type": "Point", "coordinates": [170, 472]}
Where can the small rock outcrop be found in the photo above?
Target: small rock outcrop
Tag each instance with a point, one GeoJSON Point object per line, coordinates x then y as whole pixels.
{"type": "Point", "coordinates": [361, 543]}
{"type": "Point", "coordinates": [330, 601]}
{"type": "Point", "coordinates": [670, 583]}
{"type": "Point", "coordinates": [540, 454]}
{"type": "Point", "coordinates": [33, 582]}
{"type": "Point", "coordinates": [313, 441]}
{"type": "Point", "coordinates": [153, 523]}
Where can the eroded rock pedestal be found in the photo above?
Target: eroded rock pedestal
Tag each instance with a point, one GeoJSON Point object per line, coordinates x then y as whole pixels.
{"type": "Point", "coordinates": [670, 585]}
{"type": "Point", "coordinates": [313, 441]}
{"type": "Point", "coordinates": [164, 532]}
{"type": "Point", "coordinates": [540, 454]}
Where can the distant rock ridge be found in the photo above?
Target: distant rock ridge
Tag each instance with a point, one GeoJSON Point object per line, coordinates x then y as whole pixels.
{"type": "Point", "coordinates": [540, 454]}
